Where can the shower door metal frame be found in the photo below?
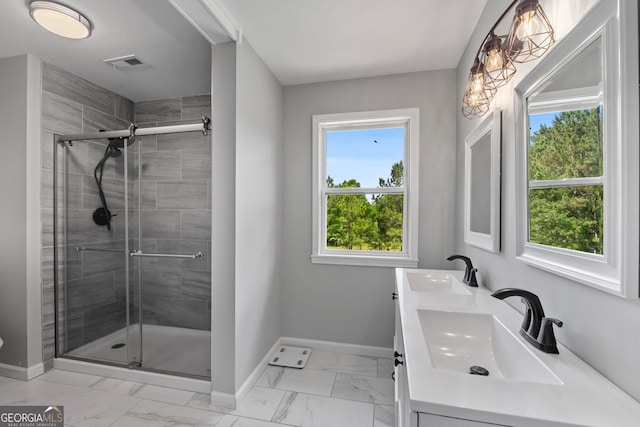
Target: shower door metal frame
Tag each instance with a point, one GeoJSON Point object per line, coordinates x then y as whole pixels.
{"type": "Point", "coordinates": [131, 132]}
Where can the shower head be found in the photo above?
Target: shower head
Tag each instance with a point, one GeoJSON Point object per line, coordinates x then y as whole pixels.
{"type": "Point", "coordinates": [119, 142]}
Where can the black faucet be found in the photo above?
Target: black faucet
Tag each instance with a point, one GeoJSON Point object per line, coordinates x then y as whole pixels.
{"type": "Point", "coordinates": [536, 328]}
{"type": "Point", "coordinates": [469, 272]}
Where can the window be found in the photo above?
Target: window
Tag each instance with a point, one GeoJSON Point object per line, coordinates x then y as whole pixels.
{"type": "Point", "coordinates": [577, 151]}
{"type": "Point", "coordinates": [566, 170]}
{"type": "Point", "coordinates": [365, 176]}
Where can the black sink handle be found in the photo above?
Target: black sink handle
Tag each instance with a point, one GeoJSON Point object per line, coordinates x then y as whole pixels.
{"type": "Point", "coordinates": [547, 339]}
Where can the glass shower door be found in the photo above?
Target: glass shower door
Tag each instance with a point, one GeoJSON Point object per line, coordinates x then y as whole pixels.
{"type": "Point", "coordinates": [133, 232]}
{"type": "Point", "coordinates": [174, 224]}
{"type": "Point", "coordinates": [91, 245]}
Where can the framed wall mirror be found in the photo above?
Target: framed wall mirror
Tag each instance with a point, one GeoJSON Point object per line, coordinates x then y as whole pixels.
{"type": "Point", "coordinates": [577, 156]}
{"type": "Point", "coordinates": [482, 184]}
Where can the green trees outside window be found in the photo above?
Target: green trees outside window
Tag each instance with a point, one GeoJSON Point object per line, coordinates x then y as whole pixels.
{"type": "Point", "coordinates": [368, 222]}
{"type": "Point", "coordinates": [567, 213]}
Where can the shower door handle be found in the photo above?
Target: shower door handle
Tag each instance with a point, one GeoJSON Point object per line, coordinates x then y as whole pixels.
{"type": "Point", "coordinates": [191, 256]}
{"type": "Point", "coordinates": [78, 249]}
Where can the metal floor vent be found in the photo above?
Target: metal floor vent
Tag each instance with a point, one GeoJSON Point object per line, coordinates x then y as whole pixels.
{"type": "Point", "coordinates": [291, 357]}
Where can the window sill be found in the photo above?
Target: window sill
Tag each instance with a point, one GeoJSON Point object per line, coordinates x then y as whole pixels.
{"type": "Point", "coordinates": [596, 276]}
{"type": "Point", "coordinates": [363, 260]}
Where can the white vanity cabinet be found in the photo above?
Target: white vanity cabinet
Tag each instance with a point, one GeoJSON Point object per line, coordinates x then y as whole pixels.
{"type": "Point", "coordinates": [436, 322]}
{"type": "Point", "coordinates": [401, 387]}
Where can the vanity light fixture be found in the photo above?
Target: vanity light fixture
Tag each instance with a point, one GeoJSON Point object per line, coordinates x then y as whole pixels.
{"type": "Point", "coordinates": [530, 36]}
{"type": "Point", "coordinates": [60, 19]}
{"type": "Point", "coordinates": [477, 96]}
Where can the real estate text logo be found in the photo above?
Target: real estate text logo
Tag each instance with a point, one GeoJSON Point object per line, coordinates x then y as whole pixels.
{"type": "Point", "coordinates": [31, 416]}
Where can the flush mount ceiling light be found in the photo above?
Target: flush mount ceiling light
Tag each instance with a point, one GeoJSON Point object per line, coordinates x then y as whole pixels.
{"type": "Point", "coordinates": [529, 37]}
{"type": "Point", "coordinates": [60, 19]}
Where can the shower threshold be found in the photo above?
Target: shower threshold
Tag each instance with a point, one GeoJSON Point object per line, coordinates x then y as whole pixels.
{"type": "Point", "coordinates": [166, 350]}
{"type": "Point", "coordinates": [132, 376]}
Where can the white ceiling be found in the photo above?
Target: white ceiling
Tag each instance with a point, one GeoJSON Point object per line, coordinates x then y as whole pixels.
{"type": "Point", "coordinates": [178, 57]}
{"type": "Point", "coordinates": [302, 41]}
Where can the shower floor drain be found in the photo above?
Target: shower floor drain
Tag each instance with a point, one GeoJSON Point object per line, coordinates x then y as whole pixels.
{"type": "Point", "coordinates": [119, 345]}
{"type": "Point", "coordinates": [291, 357]}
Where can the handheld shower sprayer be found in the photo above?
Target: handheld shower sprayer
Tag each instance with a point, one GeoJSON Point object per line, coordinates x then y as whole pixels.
{"type": "Point", "coordinates": [102, 215]}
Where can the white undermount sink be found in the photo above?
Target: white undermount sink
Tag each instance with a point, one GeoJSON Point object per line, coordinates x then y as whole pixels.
{"type": "Point", "coordinates": [436, 282]}
{"type": "Point", "coordinates": [458, 340]}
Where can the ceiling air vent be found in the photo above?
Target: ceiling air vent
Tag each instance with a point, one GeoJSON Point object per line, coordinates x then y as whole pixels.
{"type": "Point", "coordinates": [125, 62]}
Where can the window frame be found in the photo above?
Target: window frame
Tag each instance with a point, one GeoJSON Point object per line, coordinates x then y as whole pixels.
{"type": "Point", "coordinates": [557, 102]}
{"type": "Point", "coordinates": [409, 118]}
{"type": "Point", "coordinates": [616, 271]}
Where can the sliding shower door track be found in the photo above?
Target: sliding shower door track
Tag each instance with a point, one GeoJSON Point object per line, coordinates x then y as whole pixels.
{"type": "Point", "coordinates": [141, 368]}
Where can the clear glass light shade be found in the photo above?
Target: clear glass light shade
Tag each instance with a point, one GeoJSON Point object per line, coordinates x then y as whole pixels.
{"type": "Point", "coordinates": [499, 67]}
{"type": "Point", "coordinates": [495, 61]}
{"type": "Point", "coordinates": [477, 96]}
{"type": "Point", "coordinates": [60, 20]}
{"type": "Point", "coordinates": [531, 33]}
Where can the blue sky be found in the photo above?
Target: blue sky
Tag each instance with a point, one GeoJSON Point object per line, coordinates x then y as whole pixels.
{"type": "Point", "coordinates": [355, 154]}
{"type": "Point", "coordinates": [536, 120]}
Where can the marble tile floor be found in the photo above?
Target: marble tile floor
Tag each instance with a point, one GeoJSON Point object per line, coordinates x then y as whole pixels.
{"type": "Point", "coordinates": [333, 390]}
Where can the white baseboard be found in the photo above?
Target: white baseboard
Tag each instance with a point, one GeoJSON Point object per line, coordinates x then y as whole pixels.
{"type": "Point", "coordinates": [35, 371]}
{"type": "Point", "coordinates": [339, 347]}
{"type": "Point", "coordinates": [20, 372]}
{"type": "Point", "coordinates": [224, 400]}
{"type": "Point", "coordinates": [247, 385]}
{"type": "Point", "coordinates": [245, 388]}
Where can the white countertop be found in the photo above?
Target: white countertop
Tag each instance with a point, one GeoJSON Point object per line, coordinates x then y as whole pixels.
{"type": "Point", "coordinates": [585, 397]}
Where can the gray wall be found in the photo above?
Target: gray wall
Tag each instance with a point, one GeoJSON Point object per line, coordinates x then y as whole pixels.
{"type": "Point", "coordinates": [601, 329]}
{"type": "Point", "coordinates": [13, 223]}
{"type": "Point", "coordinates": [20, 292]}
{"type": "Point", "coordinates": [259, 197]}
{"type": "Point", "coordinates": [247, 222]}
{"type": "Point", "coordinates": [346, 303]}
{"type": "Point", "coordinates": [223, 253]}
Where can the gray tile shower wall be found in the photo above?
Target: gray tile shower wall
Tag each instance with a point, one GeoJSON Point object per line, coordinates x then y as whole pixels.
{"type": "Point", "coordinates": [176, 213]}
{"type": "Point", "coordinates": [95, 289]}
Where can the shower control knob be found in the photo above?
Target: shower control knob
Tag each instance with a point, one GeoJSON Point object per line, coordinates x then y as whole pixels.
{"type": "Point", "coordinates": [102, 216]}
